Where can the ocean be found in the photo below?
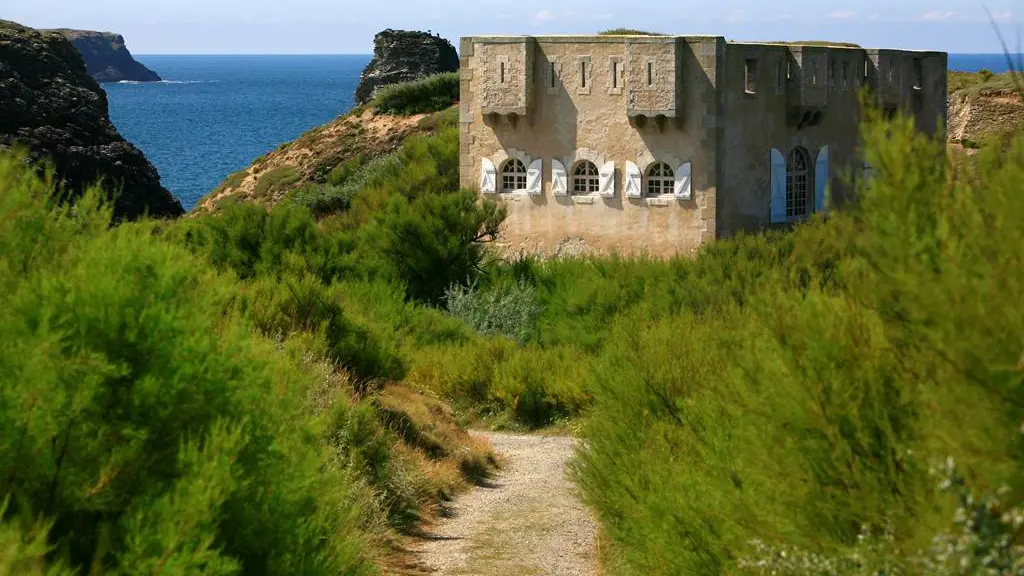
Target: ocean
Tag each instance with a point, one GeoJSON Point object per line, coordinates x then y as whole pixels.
{"type": "Point", "coordinates": [214, 115]}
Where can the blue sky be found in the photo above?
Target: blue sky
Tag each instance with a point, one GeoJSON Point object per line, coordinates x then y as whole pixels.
{"type": "Point", "coordinates": [348, 26]}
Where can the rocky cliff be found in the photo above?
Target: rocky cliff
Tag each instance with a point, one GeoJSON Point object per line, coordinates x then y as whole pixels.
{"type": "Point", "coordinates": [974, 117]}
{"type": "Point", "coordinates": [49, 105]}
{"type": "Point", "coordinates": [403, 56]}
{"type": "Point", "coordinates": [107, 59]}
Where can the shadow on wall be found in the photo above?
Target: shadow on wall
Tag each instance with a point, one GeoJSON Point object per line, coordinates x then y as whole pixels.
{"type": "Point", "coordinates": [552, 105]}
{"type": "Point", "coordinates": [696, 91]}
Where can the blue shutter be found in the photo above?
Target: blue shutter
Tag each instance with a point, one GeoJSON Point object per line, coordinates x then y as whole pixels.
{"type": "Point", "coordinates": [820, 179]}
{"type": "Point", "coordinates": [778, 198]}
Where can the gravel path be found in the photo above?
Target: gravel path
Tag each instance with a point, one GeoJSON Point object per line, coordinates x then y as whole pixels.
{"type": "Point", "coordinates": [527, 522]}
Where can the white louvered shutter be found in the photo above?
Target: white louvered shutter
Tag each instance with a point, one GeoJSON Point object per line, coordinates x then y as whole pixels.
{"type": "Point", "coordinates": [778, 197]}
{"type": "Point", "coordinates": [684, 184]}
{"type": "Point", "coordinates": [607, 180]}
{"type": "Point", "coordinates": [820, 179]}
{"type": "Point", "coordinates": [559, 182]}
{"type": "Point", "coordinates": [634, 181]}
{"type": "Point", "coordinates": [488, 177]}
{"type": "Point", "coordinates": [533, 177]}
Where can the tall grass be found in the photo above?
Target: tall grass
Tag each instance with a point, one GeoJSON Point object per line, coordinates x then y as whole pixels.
{"type": "Point", "coordinates": [430, 94]}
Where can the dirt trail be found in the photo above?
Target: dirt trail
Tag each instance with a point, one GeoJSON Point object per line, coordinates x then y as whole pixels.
{"type": "Point", "coordinates": [526, 522]}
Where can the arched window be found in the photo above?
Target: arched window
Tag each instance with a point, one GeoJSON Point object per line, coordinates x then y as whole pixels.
{"type": "Point", "coordinates": [798, 183]}
{"type": "Point", "coordinates": [513, 175]}
{"type": "Point", "coordinates": [660, 179]}
{"type": "Point", "coordinates": [585, 178]}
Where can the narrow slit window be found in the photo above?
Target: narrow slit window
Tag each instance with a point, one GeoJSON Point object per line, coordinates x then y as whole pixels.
{"type": "Point", "coordinates": [650, 73]}
{"type": "Point", "coordinates": [750, 85]}
{"type": "Point", "coordinates": [551, 73]}
{"type": "Point", "coordinates": [779, 75]}
{"type": "Point", "coordinates": [502, 73]}
{"type": "Point", "coordinates": [918, 73]}
{"type": "Point", "coordinates": [846, 74]}
{"type": "Point", "coordinates": [583, 74]}
{"type": "Point", "coordinates": [615, 74]}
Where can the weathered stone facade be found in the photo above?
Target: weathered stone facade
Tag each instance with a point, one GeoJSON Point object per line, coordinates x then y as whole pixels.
{"type": "Point", "coordinates": [657, 144]}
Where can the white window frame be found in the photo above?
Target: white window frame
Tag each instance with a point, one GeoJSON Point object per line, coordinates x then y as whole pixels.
{"type": "Point", "coordinates": [664, 183]}
{"type": "Point", "coordinates": [516, 176]}
{"type": "Point", "coordinates": [591, 181]}
{"type": "Point", "coordinates": [799, 182]}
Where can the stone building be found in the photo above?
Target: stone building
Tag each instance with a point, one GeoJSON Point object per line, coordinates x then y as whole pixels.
{"type": "Point", "coordinates": [657, 144]}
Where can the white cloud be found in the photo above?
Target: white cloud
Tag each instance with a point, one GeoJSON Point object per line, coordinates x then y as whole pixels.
{"type": "Point", "coordinates": [737, 16]}
{"type": "Point", "coordinates": [938, 15]}
{"type": "Point", "coordinates": [543, 16]}
{"type": "Point", "coordinates": [1003, 16]}
{"type": "Point", "coordinates": [842, 15]}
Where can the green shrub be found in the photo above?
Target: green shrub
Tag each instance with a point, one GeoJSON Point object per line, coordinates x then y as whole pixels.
{"type": "Point", "coordinates": [151, 429]}
{"type": "Point", "coordinates": [510, 310]}
{"type": "Point", "coordinates": [342, 172]}
{"type": "Point", "coordinates": [251, 241]}
{"type": "Point", "coordinates": [276, 180]}
{"type": "Point", "coordinates": [283, 306]}
{"type": "Point", "coordinates": [430, 94]}
{"type": "Point", "coordinates": [323, 199]}
{"type": "Point", "coordinates": [433, 241]}
{"type": "Point", "coordinates": [791, 391]}
{"type": "Point", "coordinates": [984, 82]}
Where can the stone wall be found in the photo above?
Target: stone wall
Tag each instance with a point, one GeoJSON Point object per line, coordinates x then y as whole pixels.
{"type": "Point", "coordinates": [573, 121]}
{"type": "Point", "coordinates": [631, 101]}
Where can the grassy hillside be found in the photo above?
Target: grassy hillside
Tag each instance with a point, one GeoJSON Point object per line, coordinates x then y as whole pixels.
{"type": "Point", "coordinates": [281, 391]}
{"type": "Point", "coordinates": [221, 394]}
{"type": "Point", "coordinates": [327, 154]}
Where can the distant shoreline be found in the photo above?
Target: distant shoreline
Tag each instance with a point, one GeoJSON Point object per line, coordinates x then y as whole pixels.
{"type": "Point", "coordinates": [958, 62]}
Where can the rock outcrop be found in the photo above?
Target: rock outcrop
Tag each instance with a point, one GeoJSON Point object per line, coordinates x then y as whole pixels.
{"type": "Point", "coordinates": [973, 117]}
{"type": "Point", "coordinates": [403, 56]}
{"type": "Point", "coordinates": [107, 59]}
{"type": "Point", "coordinates": [52, 108]}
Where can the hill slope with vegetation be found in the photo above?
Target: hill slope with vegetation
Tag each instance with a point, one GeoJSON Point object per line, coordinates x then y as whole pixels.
{"type": "Point", "coordinates": [772, 405]}
{"type": "Point", "coordinates": [228, 410]}
{"type": "Point", "coordinates": [282, 391]}
{"type": "Point", "coordinates": [983, 105]}
{"type": "Point", "coordinates": [330, 154]}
